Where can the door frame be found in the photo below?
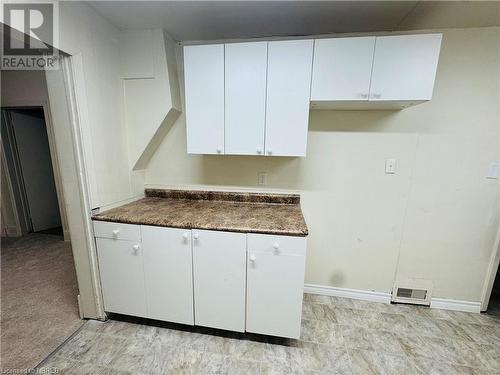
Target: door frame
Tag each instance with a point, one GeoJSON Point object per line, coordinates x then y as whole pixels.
{"type": "Point", "coordinates": [14, 174]}
{"type": "Point", "coordinates": [491, 273]}
{"type": "Point", "coordinates": [90, 300]}
{"type": "Point", "coordinates": [44, 105]}
{"type": "Point", "coordinates": [12, 231]}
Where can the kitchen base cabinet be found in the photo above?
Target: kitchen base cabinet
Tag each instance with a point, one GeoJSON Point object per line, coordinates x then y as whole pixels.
{"type": "Point", "coordinates": [168, 273]}
{"type": "Point", "coordinates": [219, 267]}
{"type": "Point", "coordinates": [275, 282]}
{"type": "Point", "coordinates": [233, 281]}
{"type": "Point", "coordinates": [122, 276]}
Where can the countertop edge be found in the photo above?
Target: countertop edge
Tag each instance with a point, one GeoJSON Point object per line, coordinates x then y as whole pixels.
{"type": "Point", "coordinates": [207, 227]}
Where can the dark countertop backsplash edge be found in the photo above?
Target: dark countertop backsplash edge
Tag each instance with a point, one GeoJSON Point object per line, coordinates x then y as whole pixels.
{"type": "Point", "coordinates": [243, 197]}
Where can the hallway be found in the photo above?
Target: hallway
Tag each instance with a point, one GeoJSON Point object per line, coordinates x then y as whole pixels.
{"type": "Point", "coordinates": [39, 298]}
{"type": "Point", "coordinates": [494, 305]}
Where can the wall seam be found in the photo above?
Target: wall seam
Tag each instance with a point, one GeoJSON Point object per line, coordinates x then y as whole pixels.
{"type": "Point", "coordinates": [405, 215]}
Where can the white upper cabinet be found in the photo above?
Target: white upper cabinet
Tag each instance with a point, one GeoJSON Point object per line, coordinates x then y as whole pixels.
{"type": "Point", "coordinates": [245, 97]}
{"type": "Point", "coordinates": [342, 68]}
{"type": "Point", "coordinates": [253, 98]}
{"type": "Point", "coordinates": [289, 66]}
{"type": "Point", "coordinates": [204, 93]}
{"type": "Point", "coordinates": [404, 67]}
{"type": "Point", "coordinates": [387, 72]}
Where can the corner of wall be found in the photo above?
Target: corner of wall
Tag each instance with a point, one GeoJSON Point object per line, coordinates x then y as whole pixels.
{"type": "Point", "coordinates": [151, 91]}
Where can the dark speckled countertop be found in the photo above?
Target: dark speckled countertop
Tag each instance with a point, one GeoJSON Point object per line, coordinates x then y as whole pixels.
{"type": "Point", "coordinates": [225, 211]}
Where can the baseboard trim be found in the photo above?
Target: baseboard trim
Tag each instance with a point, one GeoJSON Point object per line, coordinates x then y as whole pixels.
{"type": "Point", "coordinates": [455, 305]}
{"type": "Point", "coordinates": [13, 231]}
{"type": "Point", "coordinates": [365, 295]}
{"type": "Point", "coordinates": [368, 295]}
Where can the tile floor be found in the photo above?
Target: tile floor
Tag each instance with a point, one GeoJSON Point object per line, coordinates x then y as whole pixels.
{"type": "Point", "coordinates": [339, 336]}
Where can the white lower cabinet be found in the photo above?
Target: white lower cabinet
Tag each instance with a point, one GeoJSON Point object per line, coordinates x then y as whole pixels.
{"type": "Point", "coordinates": [219, 267]}
{"type": "Point", "coordinates": [168, 273]}
{"type": "Point", "coordinates": [232, 281]}
{"type": "Point", "coordinates": [275, 282]}
{"type": "Point", "coordinates": [122, 276]}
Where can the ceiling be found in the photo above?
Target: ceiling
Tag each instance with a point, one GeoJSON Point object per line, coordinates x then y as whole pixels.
{"type": "Point", "coordinates": [212, 20]}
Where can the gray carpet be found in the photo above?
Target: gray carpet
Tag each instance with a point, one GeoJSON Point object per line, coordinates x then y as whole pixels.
{"type": "Point", "coordinates": [39, 309]}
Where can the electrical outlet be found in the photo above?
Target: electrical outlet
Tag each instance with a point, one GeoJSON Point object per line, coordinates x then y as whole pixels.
{"type": "Point", "coordinates": [493, 171]}
{"type": "Point", "coordinates": [262, 178]}
{"type": "Point", "coordinates": [390, 166]}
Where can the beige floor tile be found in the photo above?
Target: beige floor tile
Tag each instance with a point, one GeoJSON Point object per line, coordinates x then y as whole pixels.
{"type": "Point", "coordinates": [339, 336]}
{"type": "Point", "coordinates": [323, 312]}
{"type": "Point", "coordinates": [102, 351]}
{"type": "Point", "coordinates": [317, 331]}
{"type": "Point", "coordinates": [429, 367]}
{"type": "Point", "coordinates": [307, 310]}
{"type": "Point", "coordinates": [282, 368]}
{"type": "Point", "coordinates": [370, 362]}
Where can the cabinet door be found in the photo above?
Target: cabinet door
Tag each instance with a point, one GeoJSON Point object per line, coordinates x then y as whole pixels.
{"type": "Point", "coordinates": [404, 67]}
{"type": "Point", "coordinates": [219, 266]}
{"type": "Point", "coordinates": [122, 276]}
{"type": "Point", "coordinates": [275, 284]}
{"type": "Point", "coordinates": [245, 93]}
{"type": "Point", "coordinates": [289, 66]}
{"type": "Point", "coordinates": [342, 68]}
{"type": "Point", "coordinates": [204, 93]}
{"type": "Point", "coordinates": [168, 273]}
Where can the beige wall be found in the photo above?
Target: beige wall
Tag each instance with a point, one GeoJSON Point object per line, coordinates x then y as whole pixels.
{"type": "Point", "coordinates": [435, 219]}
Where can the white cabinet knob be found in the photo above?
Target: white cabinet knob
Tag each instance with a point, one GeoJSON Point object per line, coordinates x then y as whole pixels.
{"type": "Point", "coordinates": [219, 150]}
{"type": "Point", "coordinates": [115, 233]}
{"type": "Point", "coordinates": [252, 258]}
{"type": "Point", "coordinates": [269, 151]}
{"type": "Point", "coordinates": [136, 249]}
{"type": "Point", "coordinates": [185, 235]}
{"type": "Point", "coordinates": [276, 246]}
{"type": "Point", "coordinates": [259, 150]}
{"type": "Point", "coordinates": [196, 236]}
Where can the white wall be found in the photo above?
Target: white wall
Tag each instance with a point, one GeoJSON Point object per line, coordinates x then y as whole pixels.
{"type": "Point", "coordinates": [95, 46]}
{"type": "Point", "coordinates": [151, 98]}
{"type": "Point", "coordinates": [435, 219]}
{"type": "Point", "coordinates": [125, 95]}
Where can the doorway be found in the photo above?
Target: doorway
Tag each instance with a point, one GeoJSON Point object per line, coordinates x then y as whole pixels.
{"type": "Point", "coordinates": [494, 304]}
{"type": "Point", "coordinates": [30, 167]}
{"type": "Point", "coordinates": [38, 280]}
